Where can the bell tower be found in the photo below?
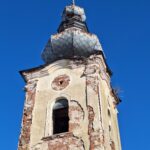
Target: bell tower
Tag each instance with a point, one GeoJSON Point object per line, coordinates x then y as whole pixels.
{"type": "Point", "coordinates": [70, 104]}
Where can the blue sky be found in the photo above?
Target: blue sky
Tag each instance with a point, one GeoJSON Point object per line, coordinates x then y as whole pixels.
{"type": "Point", "coordinates": [124, 31]}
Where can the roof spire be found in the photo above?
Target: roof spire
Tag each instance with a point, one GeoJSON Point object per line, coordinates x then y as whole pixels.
{"type": "Point", "coordinates": [73, 2]}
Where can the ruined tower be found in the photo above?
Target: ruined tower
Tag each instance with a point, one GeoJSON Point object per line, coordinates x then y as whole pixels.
{"type": "Point", "coordinates": [70, 104]}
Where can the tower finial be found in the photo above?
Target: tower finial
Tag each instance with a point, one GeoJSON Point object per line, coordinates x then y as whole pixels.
{"type": "Point", "coordinates": [73, 2]}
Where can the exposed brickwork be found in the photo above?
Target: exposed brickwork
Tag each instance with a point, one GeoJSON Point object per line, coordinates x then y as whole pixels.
{"type": "Point", "coordinates": [93, 83]}
{"type": "Point", "coordinates": [76, 115]}
{"type": "Point", "coordinates": [92, 72]}
{"type": "Point", "coordinates": [64, 141]}
{"type": "Point", "coordinates": [60, 82]}
{"type": "Point", "coordinates": [27, 116]}
{"type": "Point", "coordinates": [96, 140]}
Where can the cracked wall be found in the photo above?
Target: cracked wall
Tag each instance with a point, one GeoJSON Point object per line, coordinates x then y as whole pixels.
{"type": "Point", "coordinates": [85, 84]}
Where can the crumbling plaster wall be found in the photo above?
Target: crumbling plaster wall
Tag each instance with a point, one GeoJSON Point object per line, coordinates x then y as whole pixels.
{"type": "Point", "coordinates": [87, 91]}
{"type": "Point", "coordinates": [24, 139]}
{"type": "Point", "coordinates": [110, 121]}
{"type": "Point", "coordinates": [46, 97]}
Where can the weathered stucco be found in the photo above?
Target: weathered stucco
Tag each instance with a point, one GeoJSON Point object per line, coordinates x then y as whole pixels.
{"type": "Point", "coordinates": [85, 83]}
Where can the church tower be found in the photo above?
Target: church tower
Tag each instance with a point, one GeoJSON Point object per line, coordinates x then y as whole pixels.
{"type": "Point", "coordinates": [70, 104]}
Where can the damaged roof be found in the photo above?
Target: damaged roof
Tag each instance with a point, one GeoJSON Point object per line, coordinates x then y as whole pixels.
{"type": "Point", "coordinates": [73, 38]}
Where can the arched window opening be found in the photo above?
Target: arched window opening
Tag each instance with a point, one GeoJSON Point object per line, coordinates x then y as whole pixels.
{"type": "Point", "coordinates": [60, 116]}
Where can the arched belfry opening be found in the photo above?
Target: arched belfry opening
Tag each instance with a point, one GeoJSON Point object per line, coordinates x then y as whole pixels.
{"type": "Point", "coordinates": [60, 116]}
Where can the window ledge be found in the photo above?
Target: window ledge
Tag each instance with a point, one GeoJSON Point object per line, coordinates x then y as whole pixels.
{"type": "Point", "coordinates": [60, 135]}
